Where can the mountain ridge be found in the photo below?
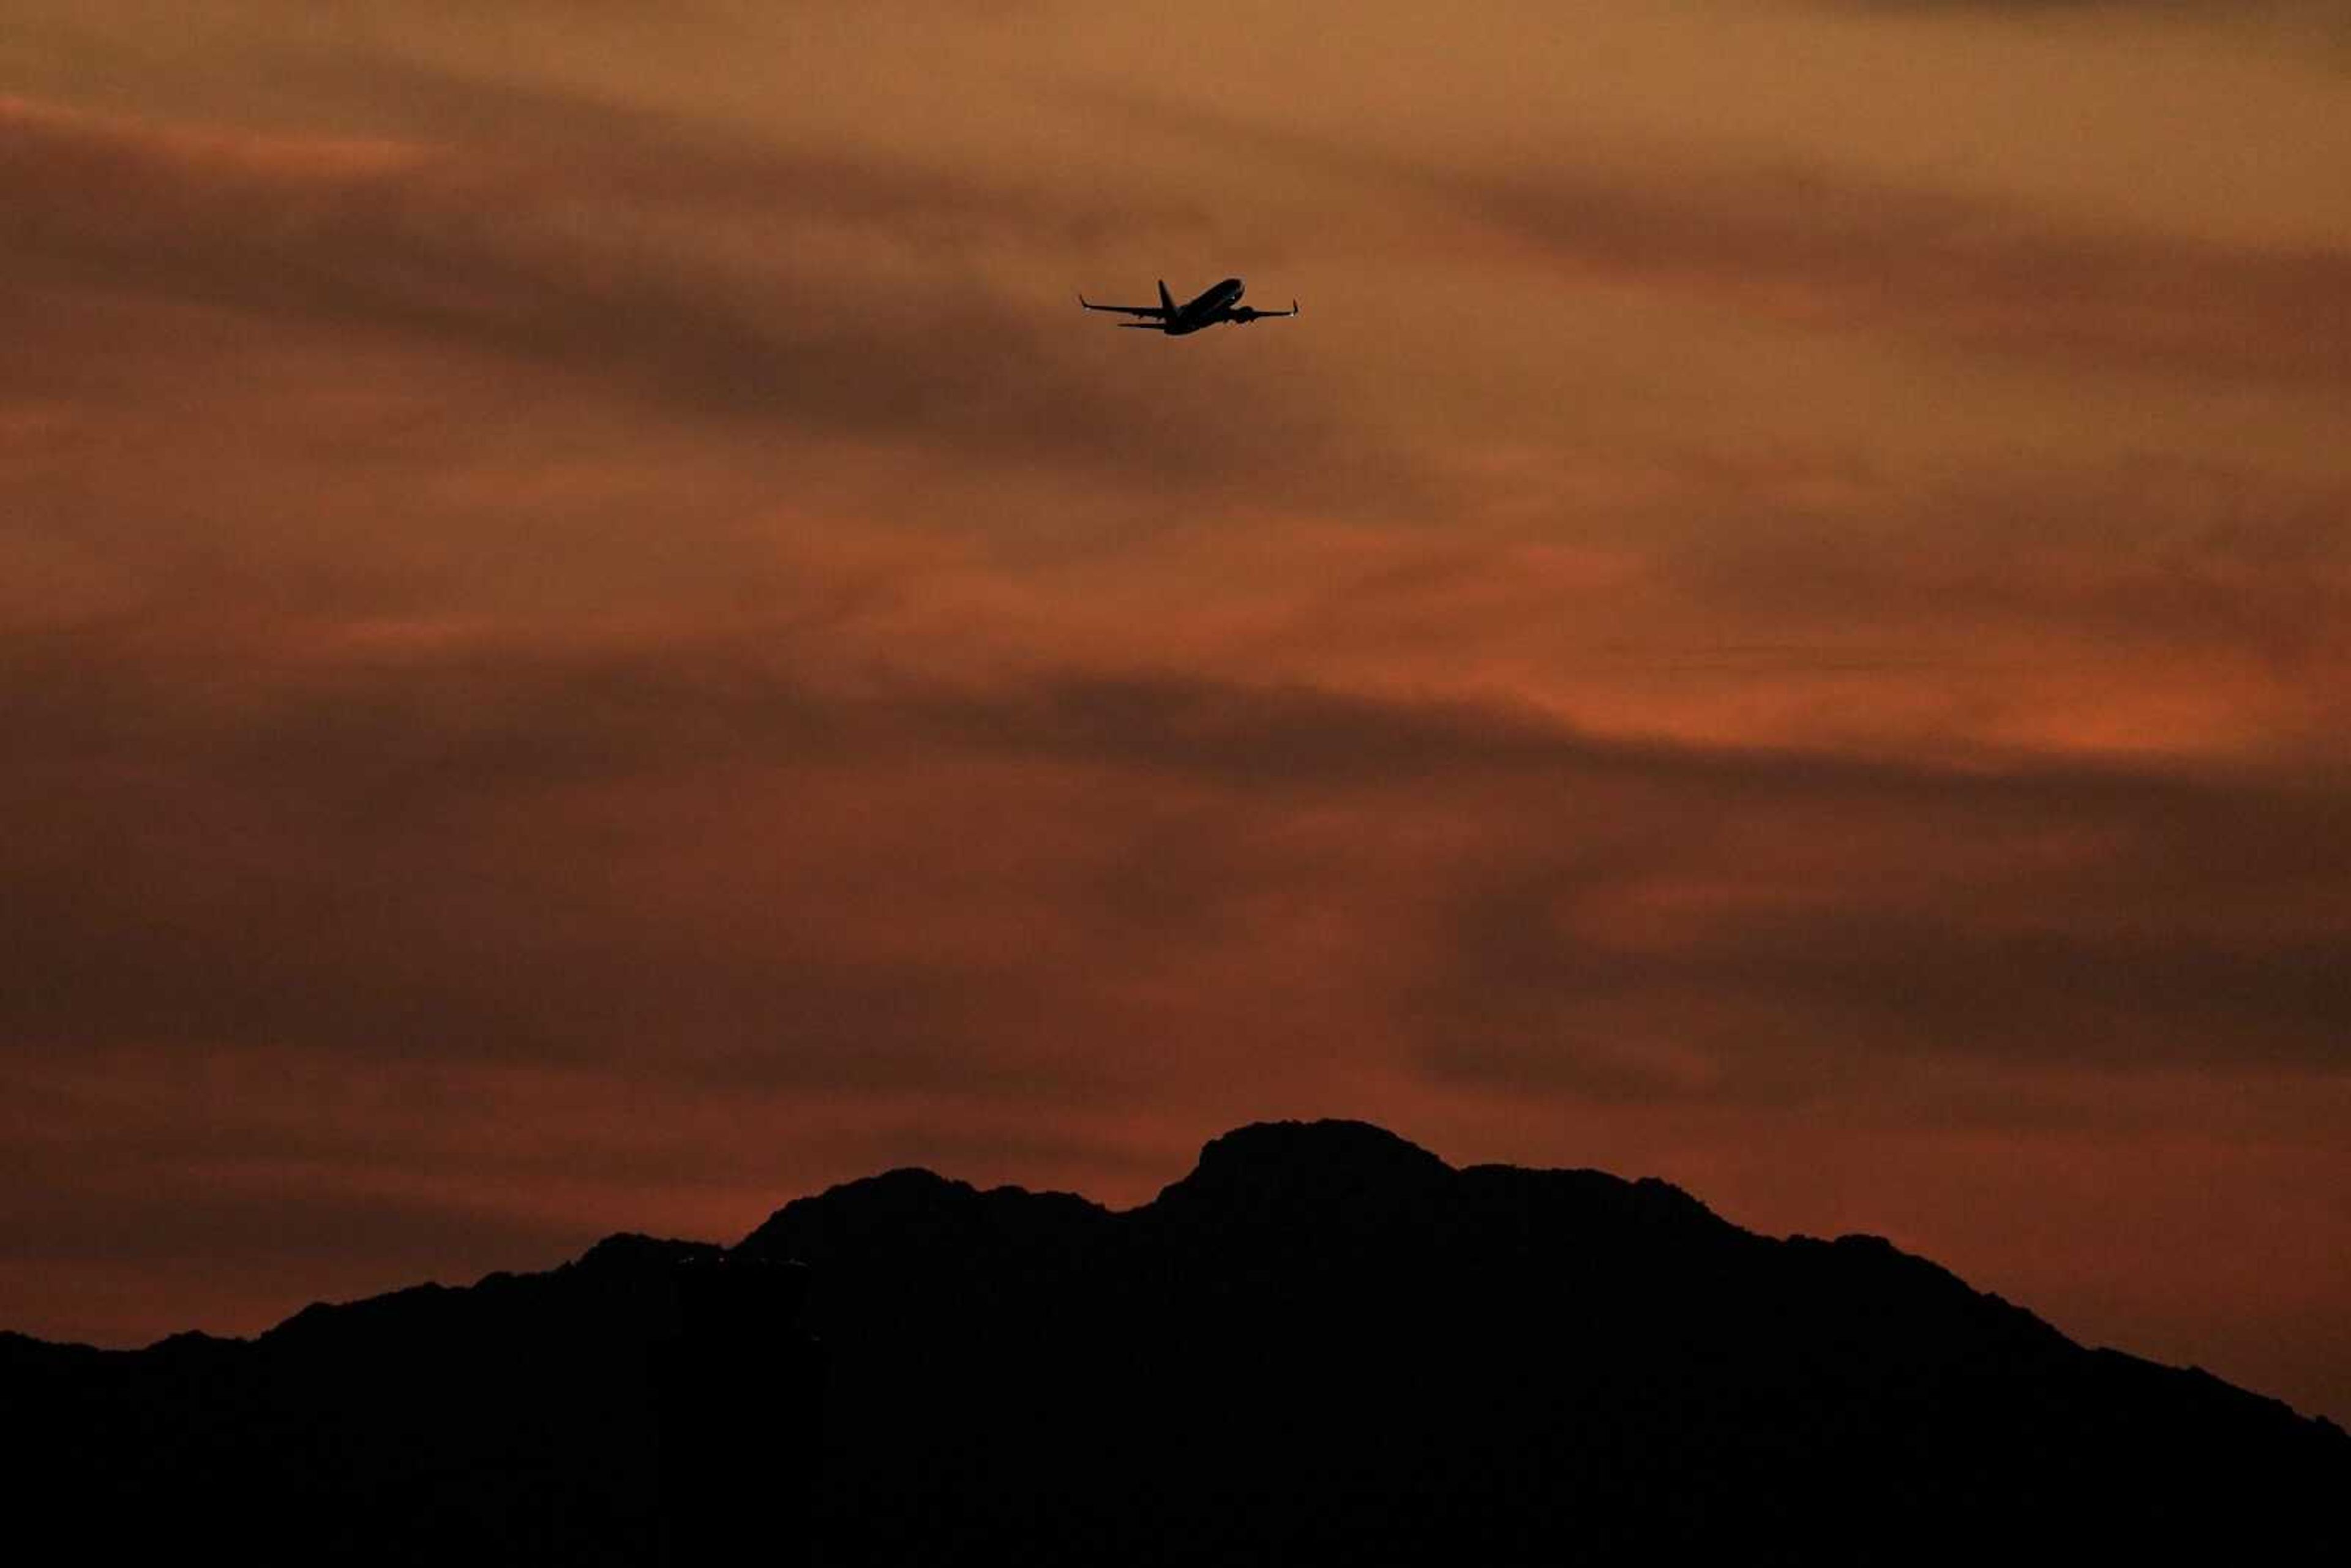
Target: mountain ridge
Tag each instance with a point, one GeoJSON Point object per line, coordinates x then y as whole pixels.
{"type": "Point", "coordinates": [1321, 1342]}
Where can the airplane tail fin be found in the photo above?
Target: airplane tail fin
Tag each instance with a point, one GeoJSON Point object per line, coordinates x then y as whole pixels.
{"type": "Point", "coordinates": [1166, 300]}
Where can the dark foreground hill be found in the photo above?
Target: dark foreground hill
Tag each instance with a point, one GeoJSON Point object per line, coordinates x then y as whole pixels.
{"type": "Point", "coordinates": [1323, 1346]}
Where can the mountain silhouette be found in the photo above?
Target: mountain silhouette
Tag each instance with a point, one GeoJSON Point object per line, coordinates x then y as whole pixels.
{"type": "Point", "coordinates": [1323, 1344]}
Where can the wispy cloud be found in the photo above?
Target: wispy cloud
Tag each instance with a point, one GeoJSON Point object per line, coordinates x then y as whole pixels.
{"type": "Point", "coordinates": [1837, 252]}
{"type": "Point", "coordinates": [812, 293]}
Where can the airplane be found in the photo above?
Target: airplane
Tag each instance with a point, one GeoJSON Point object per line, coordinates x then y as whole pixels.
{"type": "Point", "coordinates": [1221, 303]}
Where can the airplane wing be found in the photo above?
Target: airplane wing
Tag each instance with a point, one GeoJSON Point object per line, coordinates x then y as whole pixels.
{"type": "Point", "coordinates": [1153, 310]}
{"type": "Point", "coordinates": [1251, 313]}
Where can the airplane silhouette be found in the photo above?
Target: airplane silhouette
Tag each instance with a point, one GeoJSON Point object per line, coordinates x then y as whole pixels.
{"type": "Point", "coordinates": [1221, 303]}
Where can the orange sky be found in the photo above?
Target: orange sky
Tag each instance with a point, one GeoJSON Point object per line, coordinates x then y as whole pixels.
{"type": "Point", "coordinates": [590, 640]}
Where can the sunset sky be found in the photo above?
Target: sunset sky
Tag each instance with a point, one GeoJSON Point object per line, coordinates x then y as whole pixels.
{"type": "Point", "coordinates": [590, 640]}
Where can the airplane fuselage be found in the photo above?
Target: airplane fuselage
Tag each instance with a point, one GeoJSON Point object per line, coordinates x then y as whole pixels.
{"type": "Point", "coordinates": [1207, 309]}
